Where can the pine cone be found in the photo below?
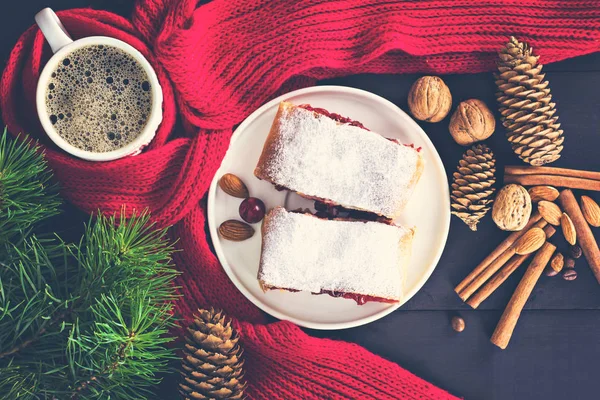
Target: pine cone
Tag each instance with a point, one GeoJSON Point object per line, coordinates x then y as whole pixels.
{"type": "Point", "coordinates": [472, 189]}
{"type": "Point", "coordinates": [212, 365]}
{"type": "Point", "coordinates": [526, 105]}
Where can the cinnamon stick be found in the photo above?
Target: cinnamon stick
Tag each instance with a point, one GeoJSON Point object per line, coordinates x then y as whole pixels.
{"type": "Point", "coordinates": [574, 173]}
{"type": "Point", "coordinates": [489, 270]}
{"type": "Point", "coordinates": [502, 247]}
{"type": "Point", "coordinates": [584, 233]}
{"type": "Point", "coordinates": [515, 262]}
{"type": "Point", "coordinates": [554, 180]}
{"type": "Point", "coordinates": [511, 314]}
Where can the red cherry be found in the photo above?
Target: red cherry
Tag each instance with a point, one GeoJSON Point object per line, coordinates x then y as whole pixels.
{"type": "Point", "coordinates": [252, 210]}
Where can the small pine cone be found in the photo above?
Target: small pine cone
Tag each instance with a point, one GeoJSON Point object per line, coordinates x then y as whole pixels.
{"type": "Point", "coordinates": [526, 106]}
{"type": "Point", "coordinates": [472, 189]}
{"type": "Point", "coordinates": [212, 365]}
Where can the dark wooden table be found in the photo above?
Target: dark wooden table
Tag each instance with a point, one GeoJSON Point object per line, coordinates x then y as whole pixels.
{"type": "Point", "coordinates": [554, 351]}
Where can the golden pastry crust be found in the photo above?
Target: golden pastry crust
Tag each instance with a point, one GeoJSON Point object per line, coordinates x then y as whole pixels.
{"type": "Point", "coordinates": [261, 170]}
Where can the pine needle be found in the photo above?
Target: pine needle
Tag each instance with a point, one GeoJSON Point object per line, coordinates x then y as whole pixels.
{"type": "Point", "coordinates": [86, 320]}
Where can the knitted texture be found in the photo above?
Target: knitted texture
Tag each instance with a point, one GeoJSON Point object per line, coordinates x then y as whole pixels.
{"type": "Point", "coordinates": [219, 61]}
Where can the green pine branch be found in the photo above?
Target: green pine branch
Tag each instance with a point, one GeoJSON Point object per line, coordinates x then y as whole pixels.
{"type": "Point", "coordinates": [86, 320]}
{"type": "Point", "coordinates": [26, 193]}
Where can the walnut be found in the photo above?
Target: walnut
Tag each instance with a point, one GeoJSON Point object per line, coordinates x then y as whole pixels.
{"type": "Point", "coordinates": [512, 208]}
{"type": "Point", "coordinates": [429, 99]}
{"type": "Point", "coordinates": [472, 122]}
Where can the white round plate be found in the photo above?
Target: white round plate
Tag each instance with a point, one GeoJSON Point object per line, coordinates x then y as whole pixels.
{"type": "Point", "coordinates": [428, 209]}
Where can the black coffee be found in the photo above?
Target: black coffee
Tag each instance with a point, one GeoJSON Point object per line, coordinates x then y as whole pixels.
{"type": "Point", "coordinates": [99, 98]}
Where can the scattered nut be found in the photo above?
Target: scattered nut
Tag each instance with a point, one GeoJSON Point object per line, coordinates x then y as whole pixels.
{"type": "Point", "coordinates": [235, 231]}
{"type": "Point", "coordinates": [531, 241]}
{"type": "Point", "coordinates": [575, 251]}
{"type": "Point", "coordinates": [557, 262]}
{"type": "Point", "coordinates": [233, 186]}
{"type": "Point", "coordinates": [568, 229]}
{"type": "Point", "coordinates": [569, 263]}
{"type": "Point", "coordinates": [550, 212]}
{"type": "Point", "coordinates": [569, 275]}
{"type": "Point", "coordinates": [472, 122]}
{"type": "Point", "coordinates": [591, 211]}
{"type": "Point", "coordinates": [538, 193]}
{"type": "Point", "coordinates": [512, 208]}
{"type": "Point", "coordinates": [549, 271]}
{"type": "Point", "coordinates": [458, 324]}
{"type": "Point", "coordinates": [429, 99]}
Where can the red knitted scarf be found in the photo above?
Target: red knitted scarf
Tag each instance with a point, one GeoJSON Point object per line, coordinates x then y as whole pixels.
{"type": "Point", "coordinates": [218, 62]}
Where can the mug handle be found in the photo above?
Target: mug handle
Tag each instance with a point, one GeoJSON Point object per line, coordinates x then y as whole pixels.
{"type": "Point", "coordinates": [52, 29]}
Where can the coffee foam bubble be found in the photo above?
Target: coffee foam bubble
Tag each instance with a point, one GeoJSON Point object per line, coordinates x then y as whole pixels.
{"type": "Point", "coordinates": [99, 98]}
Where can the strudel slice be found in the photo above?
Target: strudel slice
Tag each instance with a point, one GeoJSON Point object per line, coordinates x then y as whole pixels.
{"type": "Point", "coordinates": [361, 260]}
{"type": "Point", "coordinates": [332, 159]}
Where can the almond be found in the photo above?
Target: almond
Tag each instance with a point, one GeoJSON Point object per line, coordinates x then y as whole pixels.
{"type": "Point", "coordinates": [235, 231]}
{"type": "Point", "coordinates": [591, 211]}
{"type": "Point", "coordinates": [532, 240]}
{"type": "Point", "coordinates": [233, 186]}
{"type": "Point", "coordinates": [550, 212]}
{"type": "Point", "coordinates": [558, 262]}
{"type": "Point", "coordinates": [538, 193]}
{"type": "Point", "coordinates": [568, 229]}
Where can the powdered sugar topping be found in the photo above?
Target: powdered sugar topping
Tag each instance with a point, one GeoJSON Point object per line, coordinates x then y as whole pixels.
{"type": "Point", "coordinates": [317, 156]}
{"type": "Point", "coordinates": [302, 252]}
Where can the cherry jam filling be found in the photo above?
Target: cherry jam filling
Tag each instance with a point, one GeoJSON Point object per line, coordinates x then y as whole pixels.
{"type": "Point", "coordinates": [327, 211]}
{"type": "Point", "coordinates": [331, 211]}
{"type": "Point", "coordinates": [345, 120]}
{"type": "Point", "coordinates": [359, 298]}
{"type": "Point", "coordinates": [337, 117]}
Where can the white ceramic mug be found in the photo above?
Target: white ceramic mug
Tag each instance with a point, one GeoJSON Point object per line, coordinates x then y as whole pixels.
{"type": "Point", "coordinates": [62, 45]}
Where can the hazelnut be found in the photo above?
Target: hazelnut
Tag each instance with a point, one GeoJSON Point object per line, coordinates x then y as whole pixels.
{"type": "Point", "coordinates": [458, 324]}
{"type": "Point", "coordinates": [429, 99]}
{"type": "Point", "coordinates": [472, 122]}
{"type": "Point", "coordinates": [512, 208]}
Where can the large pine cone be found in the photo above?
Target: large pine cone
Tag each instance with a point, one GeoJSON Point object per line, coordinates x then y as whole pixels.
{"type": "Point", "coordinates": [212, 365]}
{"type": "Point", "coordinates": [472, 189]}
{"type": "Point", "coordinates": [526, 105]}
